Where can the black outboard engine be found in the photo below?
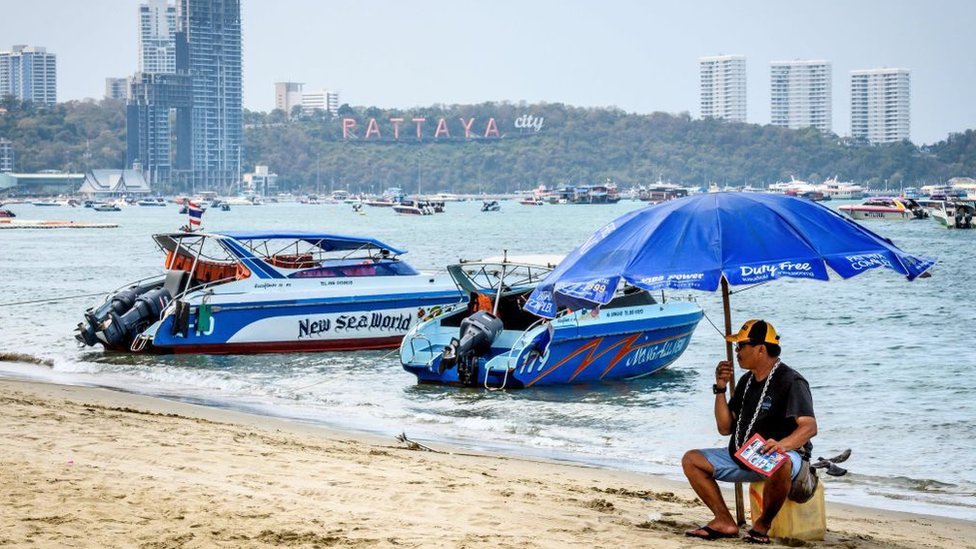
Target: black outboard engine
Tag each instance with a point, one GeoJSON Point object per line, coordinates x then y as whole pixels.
{"type": "Point", "coordinates": [478, 331]}
{"type": "Point", "coordinates": [120, 330]}
{"type": "Point", "coordinates": [119, 303]}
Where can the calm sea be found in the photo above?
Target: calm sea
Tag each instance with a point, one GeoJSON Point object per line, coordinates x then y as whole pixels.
{"type": "Point", "coordinates": [890, 362]}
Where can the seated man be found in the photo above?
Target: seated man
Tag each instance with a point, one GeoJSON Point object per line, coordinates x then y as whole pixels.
{"type": "Point", "coordinates": [771, 399]}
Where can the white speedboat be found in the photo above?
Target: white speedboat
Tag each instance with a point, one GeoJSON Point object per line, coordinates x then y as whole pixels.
{"type": "Point", "coordinates": [255, 291]}
{"type": "Point", "coordinates": [954, 214]}
{"type": "Point", "coordinates": [885, 207]}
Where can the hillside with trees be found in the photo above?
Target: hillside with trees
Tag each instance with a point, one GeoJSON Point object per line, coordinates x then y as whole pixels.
{"type": "Point", "coordinates": [573, 146]}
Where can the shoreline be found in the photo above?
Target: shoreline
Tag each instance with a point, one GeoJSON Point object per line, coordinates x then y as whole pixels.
{"type": "Point", "coordinates": [93, 467]}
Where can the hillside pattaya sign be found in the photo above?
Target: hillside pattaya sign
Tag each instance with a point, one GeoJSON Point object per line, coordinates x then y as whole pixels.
{"type": "Point", "coordinates": [419, 128]}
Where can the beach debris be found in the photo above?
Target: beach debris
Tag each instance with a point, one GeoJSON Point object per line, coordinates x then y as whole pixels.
{"type": "Point", "coordinates": [411, 445]}
{"type": "Point", "coordinates": [830, 464]}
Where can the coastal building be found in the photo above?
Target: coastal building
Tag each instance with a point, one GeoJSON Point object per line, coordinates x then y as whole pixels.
{"type": "Point", "coordinates": [157, 37]}
{"type": "Point", "coordinates": [29, 73]}
{"type": "Point", "coordinates": [880, 105]}
{"type": "Point", "coordinates": [109, 184]}
{"type": "Point", "coordinates": [261, 182]}
{"type": "Point", "coordinates": [288, 95]}
{"type": "Point", "coordinates": [6, 156]}
{"type": "Point", "coordinates": [117, 88]}
{"type": "Point", "coordinates": [722, 82]}
{"type": "Point", "coordinates": [202, 96]}
{"type": "Point", "coordinates": [800, 94]}
{"type": "Point", "coordinates": [47, 183]}
{"type": "Point", "coordinates": [323, 100]}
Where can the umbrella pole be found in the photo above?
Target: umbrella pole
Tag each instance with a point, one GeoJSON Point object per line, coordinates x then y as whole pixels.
{"type": "Point", "coordinates": [740, 512]}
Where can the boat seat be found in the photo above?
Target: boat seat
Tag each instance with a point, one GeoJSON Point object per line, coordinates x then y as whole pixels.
{"type": "Point", "coordinates": [175, 281]}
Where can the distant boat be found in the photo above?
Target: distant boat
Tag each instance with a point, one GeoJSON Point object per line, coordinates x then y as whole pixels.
{"type": "Point", "coordinates": [151, 202]}
{"type": "Point", "coordinates": [108, 207]}
{"type": "Point", "coordinates": [491, 206]}
{"type": "Point", "coordinates": [885, 207]}
{"type": "Point", "coordinates": [46, 203]}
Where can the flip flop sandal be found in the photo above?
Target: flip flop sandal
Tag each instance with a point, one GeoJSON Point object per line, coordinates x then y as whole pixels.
{"type": "Point", "coordinates": [753, 536]}
{"type": "Point", "coordinates": [710, 534]}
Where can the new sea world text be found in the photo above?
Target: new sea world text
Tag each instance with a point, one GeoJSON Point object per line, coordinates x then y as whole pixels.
{"type": "Point", "coordinates": [353, 323]}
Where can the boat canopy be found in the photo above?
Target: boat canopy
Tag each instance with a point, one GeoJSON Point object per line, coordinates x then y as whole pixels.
{"type": "Point", "coordinates": [326, 241]}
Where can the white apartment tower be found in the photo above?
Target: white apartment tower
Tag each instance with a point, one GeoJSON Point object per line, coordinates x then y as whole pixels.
{"type": "Point", "coordinates": [880, 105]}
{"type": "Point", "coordinates": [723, 87]}
{"type": "Point", "coordinates": [29, 73]}
{"type": "Point", "coordinates": [800, 94]}
{"type": "Point", "coordinates": [321, 100]}
{"type": "Point", "coordinates": [157, 37]}
{"type": "Point", "coordinates": [288, 95]}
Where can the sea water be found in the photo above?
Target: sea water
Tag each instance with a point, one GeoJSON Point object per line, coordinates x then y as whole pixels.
{"type": "Point", "coordinates": [890, 362]}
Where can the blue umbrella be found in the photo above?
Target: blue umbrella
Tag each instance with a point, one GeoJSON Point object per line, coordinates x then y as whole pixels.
{"type": "Point", "coordinates": [705, 241]}
{"type": "Point", "coordinates": [701, 242]}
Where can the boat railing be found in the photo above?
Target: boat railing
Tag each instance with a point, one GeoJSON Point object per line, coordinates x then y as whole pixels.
{"type": "Point", "coordinates": [413, 350]}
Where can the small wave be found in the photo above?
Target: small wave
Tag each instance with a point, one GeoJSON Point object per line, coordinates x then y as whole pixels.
{"type": "Point", "coordinates": [24, 357]}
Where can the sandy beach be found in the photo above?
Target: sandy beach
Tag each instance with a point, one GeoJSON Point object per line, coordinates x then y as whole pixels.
{"type": "Point", "coordinates": [88, 467]}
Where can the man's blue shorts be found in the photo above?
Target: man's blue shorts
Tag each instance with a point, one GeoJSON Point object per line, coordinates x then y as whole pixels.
{"type": "Point", "coordinates": [726, 469]}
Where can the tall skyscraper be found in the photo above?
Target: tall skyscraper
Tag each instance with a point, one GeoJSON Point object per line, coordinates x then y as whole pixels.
{"type": "Point", "coordinates": [723, 87]}
{"type": "Point", "coordinates": [157, 37]}
{"type": "Point", "coordinates": [204, 93]}
{"type": "Point", "coordinates": [288, 95]}
{"type": "Point", "coordinates": [800, 94]}
{"type": "Point", "coordinates": [881, 105]}
{"type": "Point", "coordinates": [30, 74]}
{"type": "Point", "coordinates": [209, 32]}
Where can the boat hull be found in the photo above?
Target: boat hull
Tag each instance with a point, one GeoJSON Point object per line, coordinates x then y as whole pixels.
{"type": "Point", "coordinates": [861, 214]}
{"type": "Point", "coordinates": [303, 326]}
{"type": "Point", "coordinates": [583, 347]}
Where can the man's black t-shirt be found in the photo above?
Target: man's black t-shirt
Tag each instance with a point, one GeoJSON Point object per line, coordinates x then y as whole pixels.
{"type": "Point", "coordinates": [787, 398]}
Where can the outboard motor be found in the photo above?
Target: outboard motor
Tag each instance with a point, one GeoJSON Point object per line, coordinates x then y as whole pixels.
{"type": "Point", "coordinates": [119, 303]}
{"type": "Point", "coordinates": [478, 331]}
{"type": "Point", "coordinates": [120, 330]}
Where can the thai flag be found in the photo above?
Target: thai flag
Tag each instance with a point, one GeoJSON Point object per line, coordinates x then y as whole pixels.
{"type": "Point", "coordinates": [196, 213]}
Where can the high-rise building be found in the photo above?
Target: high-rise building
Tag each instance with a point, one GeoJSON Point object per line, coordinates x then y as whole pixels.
{"type": "Point", "coordinates": [204, 93]}
{"type": "Point", "coordinates": [288, 95]}
{"type": "Point", "coordinates": [881, 105]}
{"type": "Point", "coordinates": [6, 156]}
{"type": "Point", "coordinates": [800, 94]}
{"type": "Point", "coordinates": [324, 100]}
{"type": "Point", "coordinates": [209, 31]}
{"type": "Point", "coordinates": [117, 88]}
{"type": "Point", "coordinates": [30, 74]}
{"type": "Point", "coordinates": [157, 37]}
{"type": "Point", "coordinates": [722, 81]}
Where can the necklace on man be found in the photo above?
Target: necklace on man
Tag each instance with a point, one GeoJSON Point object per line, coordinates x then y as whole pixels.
{"type": "Point", "coordinates": [742, 407]}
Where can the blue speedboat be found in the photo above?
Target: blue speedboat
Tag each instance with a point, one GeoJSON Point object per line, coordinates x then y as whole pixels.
{"type": "Point", "coordinates": [492, 342]}
{"type": "Point", "coordinates": [253, 292]}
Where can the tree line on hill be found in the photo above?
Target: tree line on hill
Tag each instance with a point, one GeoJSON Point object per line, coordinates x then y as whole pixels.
{"type": "Point", "coordinates": [569, 146]}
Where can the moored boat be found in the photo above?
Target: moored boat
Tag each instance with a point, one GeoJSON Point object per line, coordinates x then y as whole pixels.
{"type": "Point", "coordinates": [492, 342]}
{"type": "Point", "coordinates": [885, 207]}
{"type": "Point", "coordinates": [252, 292]}
{"type": "Point", "coordinates": [954, 214]}
{"type": "Point", "coordinates": [490, 206]}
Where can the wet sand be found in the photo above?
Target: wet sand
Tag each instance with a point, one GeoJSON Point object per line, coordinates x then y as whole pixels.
{"type": "Point", "coordinates": [88, 467]}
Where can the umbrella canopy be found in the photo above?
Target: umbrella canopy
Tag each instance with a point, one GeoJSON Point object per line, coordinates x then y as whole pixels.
{"type": "Point", "coordinates": [693, 242]}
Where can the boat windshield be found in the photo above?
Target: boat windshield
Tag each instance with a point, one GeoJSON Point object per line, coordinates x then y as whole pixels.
{"type": "Point", "coordinates": [512, 275]}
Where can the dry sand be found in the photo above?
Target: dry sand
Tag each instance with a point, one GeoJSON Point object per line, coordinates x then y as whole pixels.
{"type": "Point", "coordinates": [86, 467]}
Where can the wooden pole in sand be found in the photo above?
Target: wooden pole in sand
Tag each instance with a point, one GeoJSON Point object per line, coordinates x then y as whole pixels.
{"type": "Point", "coordinates": [740, 512]}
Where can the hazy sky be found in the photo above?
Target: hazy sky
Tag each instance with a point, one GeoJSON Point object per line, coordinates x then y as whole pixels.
{"type": "Point", "coordinates": [640, 56]}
